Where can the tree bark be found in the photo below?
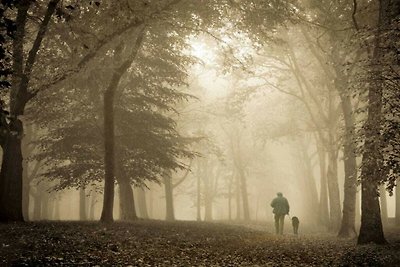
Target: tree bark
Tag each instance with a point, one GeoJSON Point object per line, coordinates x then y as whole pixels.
{"type": "Point", "coordinates": [109, 145]}
{"type": "Point", "coordinates": [397, 211]}
{"type": "Point", "coordinates": [126, 201]}
{"type": "Point", "coordinates": [126, 194]}
{"type": "Point", "coordinates": [11, 176]}
{"type": "Point", "coordinates": [347, 228]}
{"type": "Point", "coordinates": [25, 181]}
{"type": "Point", "coordinates": [371, 229]}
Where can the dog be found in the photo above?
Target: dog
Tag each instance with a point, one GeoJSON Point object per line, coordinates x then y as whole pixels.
{"type": "Point", "coordinates": [295, 224]}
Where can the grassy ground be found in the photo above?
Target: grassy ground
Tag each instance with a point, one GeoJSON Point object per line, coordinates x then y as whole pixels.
{"type": "Point", "coordinates": [157, 243]}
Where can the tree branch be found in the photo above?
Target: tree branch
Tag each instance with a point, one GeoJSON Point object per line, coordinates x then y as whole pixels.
{"type": "Point", "coordinates": [102, 43]}
{"type": "Point", "coordinates": [184, 176]}
{"type": "Point", "coordinates": [39, 37]}
{"type": "Point", "coordinates": [353, 15]}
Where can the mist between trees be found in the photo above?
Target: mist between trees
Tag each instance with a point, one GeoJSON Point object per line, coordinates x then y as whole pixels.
{"type": "Point", "coordinates": [201, 110]}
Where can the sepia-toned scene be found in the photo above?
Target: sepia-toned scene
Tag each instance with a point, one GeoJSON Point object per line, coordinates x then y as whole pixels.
{"type": "Point", "coordinates": [200, 133]}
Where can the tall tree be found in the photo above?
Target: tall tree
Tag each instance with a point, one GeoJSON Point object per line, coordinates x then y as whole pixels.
{"type": "Point", "coordinates": [22, 66]}
{"type": "Point", "coordinates": [371, 173]}
{"type": "Point", "coordinates": [397, 209]}
{"type": "Point", "coordinates": [336, 21]}
{"type": "Point", "coordinates": [109, 143]}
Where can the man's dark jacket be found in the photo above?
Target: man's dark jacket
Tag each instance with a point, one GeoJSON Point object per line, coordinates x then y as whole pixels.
{"type": "Point", "coordinates": [280, 205]}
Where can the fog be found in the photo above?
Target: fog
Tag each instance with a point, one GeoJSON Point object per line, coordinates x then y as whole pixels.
{"type": "Point", "coordinates": [202, 111]}
{"type": "Point", "coordinates": [240, 115]}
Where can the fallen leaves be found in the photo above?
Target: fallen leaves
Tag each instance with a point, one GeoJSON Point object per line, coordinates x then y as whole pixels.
{"type": "Point", "coordinates": [157, 243]}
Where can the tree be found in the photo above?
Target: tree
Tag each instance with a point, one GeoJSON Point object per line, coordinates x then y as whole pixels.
{"type": "Point", "coordinates": [25, 66]}
{"type": "Point", "coordinates": [144, 102]}
{"type": "Point", "coordinates": [397, 212]}
{"type": "Point", "coordinates": [335, 21]}
{"type": "Point", "coordinates": [169, 187]}
{"type": "Point", "coordinates": [7, 29]}
{"type": "Point", "coordinates": [109, 158]}
{"type": "Point", "coordinates": [371, 173]}
{"type": "Point", "coordinates": [11, 168]}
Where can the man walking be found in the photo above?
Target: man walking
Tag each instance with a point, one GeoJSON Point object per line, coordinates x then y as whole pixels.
{"type": "Point", "coordinates": [281, 208]}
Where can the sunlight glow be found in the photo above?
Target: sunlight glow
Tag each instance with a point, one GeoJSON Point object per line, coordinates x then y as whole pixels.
{"type": "Point", "coordinates": [203, 52]}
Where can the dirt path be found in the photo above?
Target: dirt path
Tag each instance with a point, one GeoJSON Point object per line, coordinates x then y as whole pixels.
{"type": "Point", "coordinates": [156, 243]}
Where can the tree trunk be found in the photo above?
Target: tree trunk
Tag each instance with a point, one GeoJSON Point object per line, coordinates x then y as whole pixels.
{"type": "Point", "coordinates": [25, 190]}
{"type": "Point", "coordinates": [11, 167]}
{"type": "Point", "coordinates": [371, 229]}
{"type": "Point", "coordinates": [208, 190]}
{"type": "Point", "coordinates": [109, 128]}
{"type": "Point", "coordinates": [126, 195]}
{"type": "Point", "coordinates": [26, 176]}
{"type": "Point", "coordinates": [92, 205]}
{"type": "Point", "coordinates": [397, 212]}
{"type": "Point", "coordinates": [169, 197]}
{"type": "Point", "coordinates": [323, 210]}
{"type": "Point", "coordinates": [309, 182]}
{"type": "Point", "coordinates": [141, 194]}
{"type": "Point", "coordinates": [151, 204]}
{"type": "Point", "coordinates": [82, 204]}
{"type": "Point", "coordinates": [11, 176]}
{"type": "Point", "coordinates": [347, 228]}
{"type": "Point", "coordinates": [371, 224]}
{"type": "Point", "coordinates": [126, 201]}
{"type": "Point", "coordinates": [333, 189]}
{"type": "Point", "coordinates": [245, 196]}
{"type": "Point", "coordinates": [384, 211]}
{"type": "Point", "coordinates": [109, 156]}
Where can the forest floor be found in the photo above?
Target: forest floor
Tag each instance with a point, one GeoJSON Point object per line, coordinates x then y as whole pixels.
{"type": "Point", "coordinates": [158, 243]}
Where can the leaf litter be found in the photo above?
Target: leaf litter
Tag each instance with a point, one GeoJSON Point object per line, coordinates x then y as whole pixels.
{"type": "Point", "coordinates": [181, 243]}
